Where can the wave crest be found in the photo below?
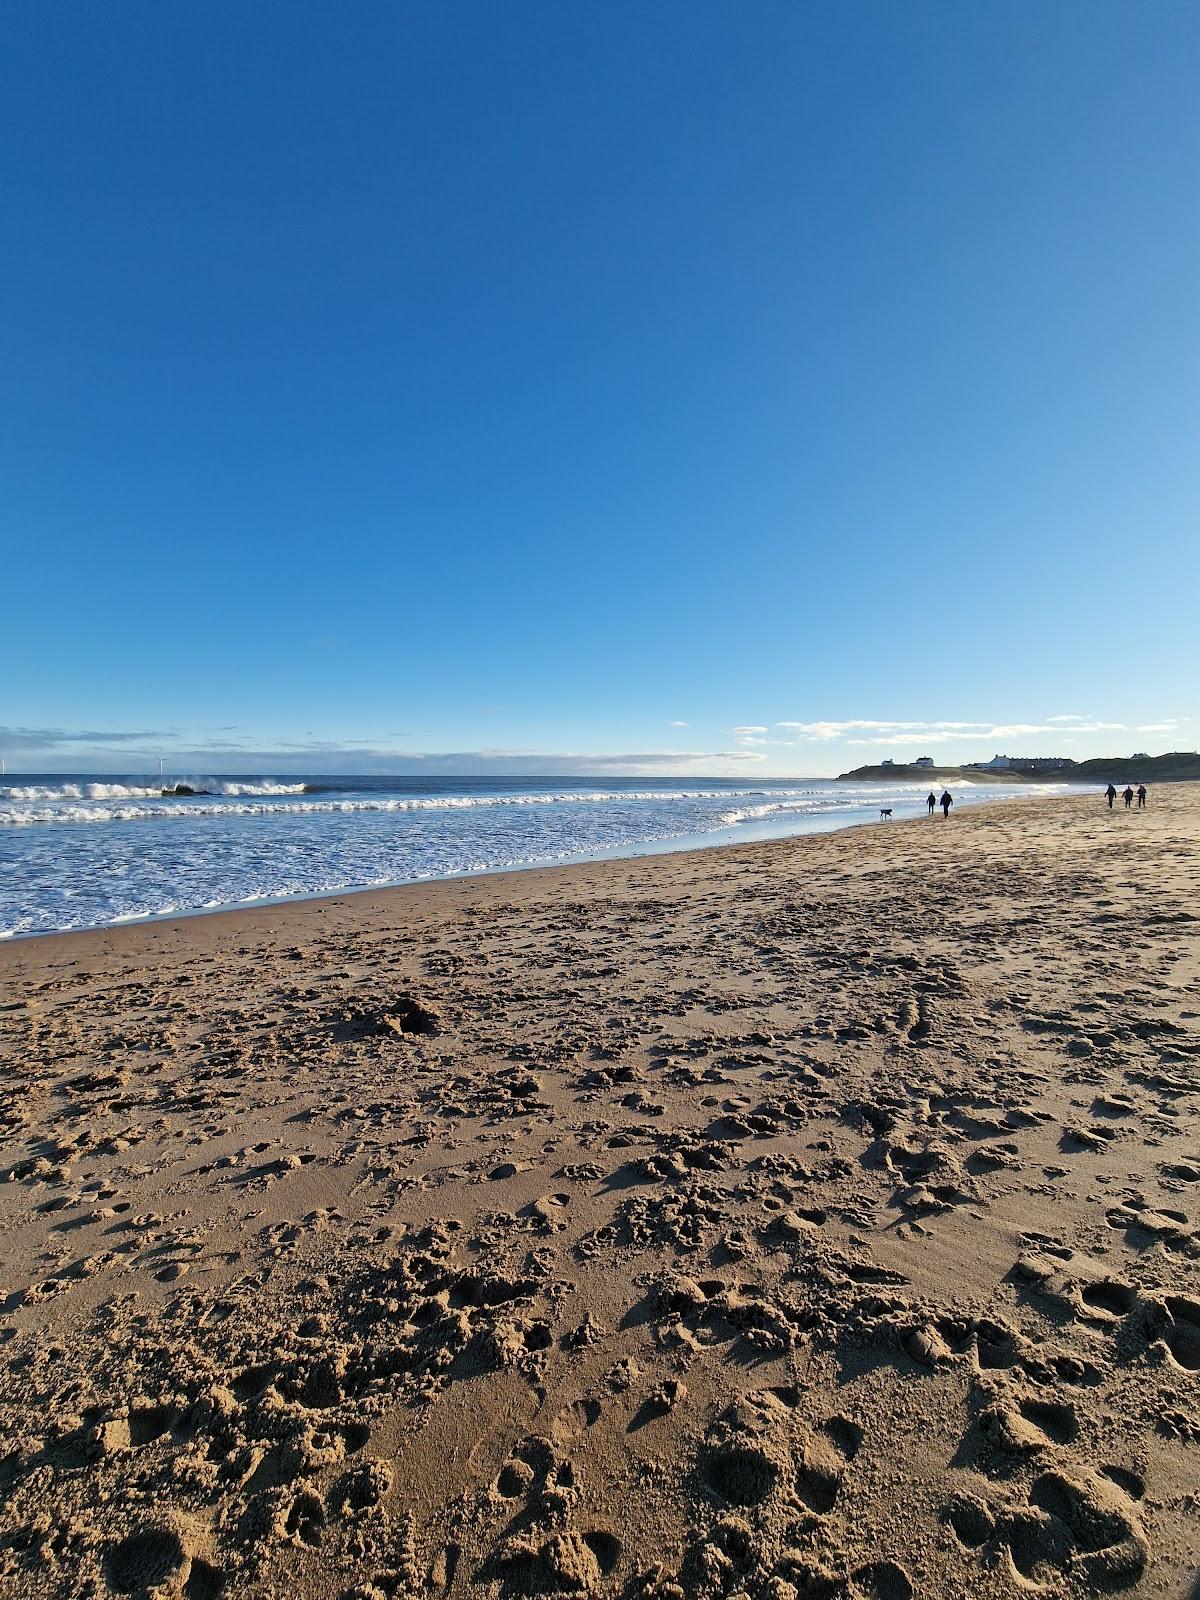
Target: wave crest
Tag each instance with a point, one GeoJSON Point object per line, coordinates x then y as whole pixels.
{"type": "Point", "coordinates": [265, 788]}
{"type": "Point", "coordinates": [254, 800]}
{"type": "Point", "coordinates": [30, 793]}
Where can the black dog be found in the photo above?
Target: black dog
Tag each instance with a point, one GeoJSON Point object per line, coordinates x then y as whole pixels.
{"type": "Point", "coordinates": [885, 814]}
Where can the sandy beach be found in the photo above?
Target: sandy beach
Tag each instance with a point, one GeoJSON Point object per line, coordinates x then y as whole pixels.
{"type": "Point", "coordinates": [804, 1219]}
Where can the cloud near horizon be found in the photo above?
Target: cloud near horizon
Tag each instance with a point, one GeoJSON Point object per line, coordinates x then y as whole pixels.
{"type": "Point", "coordinates": [56, 746]}
{"type": "Point", "coordinates": [871, 731]}
{"type": "Point", "coordinates": [58, 749]}
{"type": "Point", "coordinates": [32, 740]}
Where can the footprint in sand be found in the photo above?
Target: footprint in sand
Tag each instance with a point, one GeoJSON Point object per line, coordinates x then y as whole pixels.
{"type": "Point", "coordinates": [549, 1211]}
{"type": "Point", "coordinates": [1129, 1482]}
{"type": "Point", "coordinates": [882, 1580]}
{"type": "Point", "coordinates": [1114, 1105]}
{"type": "Point", "coordinates": [513, 1480]}
{"type": "Point", "coordinates": [304, 1521]}
{"type": "Point", "coordinates": [1180, 1330]}
{"type": "Point", "coordinates": [1095, 1138]}
{"type": "Point", "coordinates": [1107, 1300]}
{"type": "Point", "coordinates": [156, 1556]}
{"type": "Point", "coordinates": [573, 1420]}
{"type": "Point", "coordinates": [569, 1562]}
{"type": "Point", "coordinates": [1159, 1221]}
{"type": "Point", "coordinates": [971, 1520]}
{"type": "Point", "coordinates": [1029, 1425]}
{"type": "Point", "coordinates": [360, 1492]}
{"type": "Point", "coordinates": [822, 1466]}
{"type": "Point", "coordinates": [1085, 1528]}
{"type": "Point", "coordinates": [741, 1473]}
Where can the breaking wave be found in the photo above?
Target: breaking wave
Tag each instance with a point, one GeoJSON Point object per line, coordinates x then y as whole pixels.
{"type": "Point", "coordinates": [30, 793]}
{"type": "Point", "coordinates": [119, 803]}
{"type": "Point", "coordinates": [265, 788]}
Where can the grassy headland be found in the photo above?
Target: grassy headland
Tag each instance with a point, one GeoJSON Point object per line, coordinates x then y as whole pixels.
{"type": "Point", "coordinates": [1177, 766]}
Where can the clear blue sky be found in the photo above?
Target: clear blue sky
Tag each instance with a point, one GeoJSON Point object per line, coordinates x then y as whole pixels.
{"type": "Point", "coordinates": [410, 378]}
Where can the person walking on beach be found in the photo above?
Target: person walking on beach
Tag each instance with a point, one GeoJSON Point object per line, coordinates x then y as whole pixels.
{"type": "Point", "coordinates": [1128, 796]}
{"type": "Point", "coordinates": [1110, 794]}
{"type": "Point", "coordinates": [1141, 796]}
{"type": "Point", "coordinates": [947, 802]}
{"type": "Point", "coordinates": [931, 802]}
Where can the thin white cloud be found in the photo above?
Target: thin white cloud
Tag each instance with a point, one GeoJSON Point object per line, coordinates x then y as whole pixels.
{"type": "Point", "coordinates": [54, 749]}
{"type": "Point", "coordinates": [750, 728]}
{"type": "Point", "coordinates": [906, 739]}
{"type": "Point", "coordinates": [915, 729]}
{"type": "Point", "coordinates": [681, 724]}
{"type": "Point", "coordinates": [1171, 725]}
{"type": "Point", "coordinates": [585, 761]}
{"type": "Point", "coordinates": [871, 730]}
{"type": "Point", "coordinates": [32, 740]}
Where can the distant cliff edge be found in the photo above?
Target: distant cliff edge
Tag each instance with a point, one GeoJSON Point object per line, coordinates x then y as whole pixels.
{"type": "Point", "coordinates": [1176, 767]}
{"type": "Point", "coordinates": [910, 774]}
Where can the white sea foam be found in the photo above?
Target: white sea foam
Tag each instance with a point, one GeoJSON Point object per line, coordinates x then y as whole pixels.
{"type": "Point", "coordinates": [775, 808]}
{"type": "Point", "coordinates": [261, 788]}
{"type": "Point", "coordinates": [264, 839]}
{"type": "Point", "coordinates": [52, 793]}
{"type": "Point", "coordinates": [33, 792]}
{"type": "Point", "coordinates": [229, 804]}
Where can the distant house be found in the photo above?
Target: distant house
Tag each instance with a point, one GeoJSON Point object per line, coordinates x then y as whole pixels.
{"type": "Point", "coordinates": [1040, 763]}
{"type": "Point", "coordinates": [923, 761]}
{"type": "Point", "coordinates": [1024, 764]}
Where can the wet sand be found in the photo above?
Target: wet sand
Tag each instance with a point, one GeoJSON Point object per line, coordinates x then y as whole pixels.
{"type": "Point", "coordinates": [804, 1219]}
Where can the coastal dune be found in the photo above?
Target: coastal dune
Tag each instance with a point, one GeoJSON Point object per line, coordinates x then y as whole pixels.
{"type": "Point", "coordinates": [814, 1218]}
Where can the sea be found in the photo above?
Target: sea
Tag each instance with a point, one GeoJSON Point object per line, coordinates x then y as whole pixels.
{"type": "Point", "coordinates": [80, 851]}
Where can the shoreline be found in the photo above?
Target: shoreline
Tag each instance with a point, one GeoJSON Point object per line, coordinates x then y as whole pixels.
{"type": "Point", "coordinates": [722, 839]}
{"type": "Point", "coordinates": [816, 1214]}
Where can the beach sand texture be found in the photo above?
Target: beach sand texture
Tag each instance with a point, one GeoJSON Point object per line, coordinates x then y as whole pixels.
{"type": "Point", "coordinates": [805, 1219]}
